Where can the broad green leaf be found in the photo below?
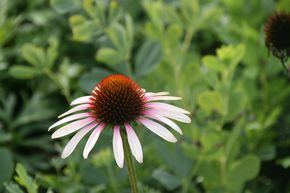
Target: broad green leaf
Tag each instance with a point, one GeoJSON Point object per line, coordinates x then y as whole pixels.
{"type": "Point", "coordinates": [236, 105]}
{"type": "Point", "coordinates": [6, 166]}
{"type": "Point", "coordinates": [231, 55]}
{"type": "Point", "coordinates": [23, 72]}
{"type": "Point", "coordinates": [88, 81]}
{"type": "Point", "coordinates": [285, 162]}
{"type": "Point", "coordinates": [52, 52]}
{"type": "Point", "coordinates": [169, 181]}
{"type": "Point", "coordinates": [210, 101]}
{"type": "Point", "coordinates": [148, 57]}
{"type": "Point", "coordinates": [12, 188]}
{"type": "Point", "coordinates": [109, 56]}
{"type": "Point", "coordinates": [83, 29]}
{"type": "Point", "coordinates": [243, 170]}
{"type": "Point", "coordinates": [25, 180]}
{"type": "Point", "coordinates": [211, 173]}
{"type": "Point", "coordinates": [64, 6]}
{"type": "Point", "coordinates": [34, 55]}
{"type": "Point", "coordinates": [119, 38]}
{"type": "Point", "coordinates": [212, 63]}
{"type": "Point", "coordinates": [173, 36]}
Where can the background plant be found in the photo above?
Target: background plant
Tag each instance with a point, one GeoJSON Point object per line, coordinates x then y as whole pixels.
{"type": "Point", "coordinates": [211, 53]}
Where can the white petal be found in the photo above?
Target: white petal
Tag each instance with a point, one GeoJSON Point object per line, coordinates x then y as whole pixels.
{"type": "Point", "coordinates": [158, 129]}
{"type": "Point", "coordinates": [167, 107]}
{"type": "Point", "coordinates": [134, 143]}
{"type": "Point", "coordinates": [69, 118]}
{"type": "Point", "coordinates": [92, 140]}
{"type": "Point", "coordinates": [72, 127]}
{"type": "Point", "coordinates": [73, 142]}
{"type": "Point", "coordinates": [81, 100]}
{"type": "Point", "coordinates": [157, 98]}
{"type": "Point", "coordinates": [118, 147]}
{"type": "Point", "coordinates": [166, 121]}
{"type": "Point", "coordinates": [149, 94]}
{"type": "Point", "coordinates": [172, 115]}
{"type": "Point", "coordinates": [75, 109]}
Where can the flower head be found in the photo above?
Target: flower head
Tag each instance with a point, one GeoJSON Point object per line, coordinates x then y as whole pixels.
{"type": "Point", "coordinates": [116, 102]}
{"type": "Point", "coordinates": [277, 30]}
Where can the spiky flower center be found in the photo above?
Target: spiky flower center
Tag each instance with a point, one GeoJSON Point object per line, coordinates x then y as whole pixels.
{"type": "Point", "coordinates": [277, 30]}
{"type": "Point", "coordinates": [117, 99]}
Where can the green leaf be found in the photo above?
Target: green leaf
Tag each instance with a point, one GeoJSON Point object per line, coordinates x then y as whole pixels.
{"type": "Point", "coordinates": [6, 166]}
{"type": "Point", "coordinates": [212, 63]}
{"type": "Point", "coordinates": [169, 181]}
{"type": "Point", "coordinates": [52, 52]}
{"type": "Point", "coordinates": [64, 6]}
{"type": "Point", "coordinates": [148, 57]}
{"type": "Point", "coordinates": [210, 101]}
{"type": "Point", "coordinates": [25, 180]}
{"type": "Point", "coordinates": [88, 81]}
{"type": "Point", "coordinates": [34, 55]}
{"type": "Point", "coordinates": [236, 105]}
{"type": "Point", "coordinates": [118, 37]}
{"type": "Point", "coordinates": [83, 29]}
{"type": "Point", "coordinates": [243, 170]}
{"type": "Point", "coordinates": [109, 56]}
{"type": "Point", "coordinates": [231, 55]}
{"type": "Point", "coordinates": [12, 188]}
{"type": "Point", "coordinates": [23, 72]}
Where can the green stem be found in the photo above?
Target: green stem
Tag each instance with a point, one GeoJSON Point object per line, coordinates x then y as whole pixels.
{"type": "Point", "coordinates": [187, 39]}
{"type": "Point", "coordinates": [130, 166]}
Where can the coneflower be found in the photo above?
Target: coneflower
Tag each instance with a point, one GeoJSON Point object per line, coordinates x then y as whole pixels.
{"type": "Point", "coordinates": [116, 102]}
{"type": "Point", "coordinates": [277, 35]}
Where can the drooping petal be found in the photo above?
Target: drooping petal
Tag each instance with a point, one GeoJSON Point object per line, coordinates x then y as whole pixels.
{"type": "Point", "coordinates": [166, 121]}
{"type": "Point", "coordinates": [149, 94]}
{"type": "Point", "coordinates": [157, 98]}
{"type": "Point", "coordinates": [93, 139]}
{"type": "Point", "coordinates": [75, 109]}
{"type": "Point", "coordinates": [158, 129]}
{"type": "Point", "coordinates": [69, 118]}
{"type": "Point", "coordinates": [165, 106]}
{"type": "Point", "coordinates": [118, 147]}
{"type": "Point", "coordinates": [134, 143]}
{"type": "Point", "coordinates": [81, 100]}
{"type": "Point", "coordinates": [71, 145]}
{"type": "Point", "coordinates": [172, 115]}
{"type": "Point", "coordinates": [72, 127]}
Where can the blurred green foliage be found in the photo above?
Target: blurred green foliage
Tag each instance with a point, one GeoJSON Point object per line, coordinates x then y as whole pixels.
{"type": "Point", "coordinates": [211, 53]}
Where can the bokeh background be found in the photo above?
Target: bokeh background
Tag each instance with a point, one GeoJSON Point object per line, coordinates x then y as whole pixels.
{"type": "Point", "coordinates": [209, 52]}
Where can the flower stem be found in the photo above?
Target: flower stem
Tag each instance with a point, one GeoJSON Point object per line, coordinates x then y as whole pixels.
{"type": "Point", "coordinates": [130, 166]}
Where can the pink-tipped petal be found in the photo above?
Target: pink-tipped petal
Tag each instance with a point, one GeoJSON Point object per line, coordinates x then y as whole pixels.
{"type": "Point", "coordinates": [167, 122]}
{"type": "Point", "coordinates": [167, 107]}
{"type": "Point", "coordinates": [168, 98]}
{"type": "Point", "coordinates": [118, 147]}
{"type": "Point", "coordinates": [134, 143]}
{"type": "Point", "coordinates": [149, 94]}
{"type": "Point", "coordinates": [81, 100]}
{"type": "Point", "coordinates": [72, 127]}
{"type": "Point", "coordinates": [69, 118]}
{"type": "Point", "coordinates": [158, 129]}
{"type": "Point", "coordinates": [73, 142]}
{"type": "Point", "coordinates": [172, 115]}
{"type": "Point", "coordinates": [93, 139]}
{"type": "Point", "coordinates": [75, 109]}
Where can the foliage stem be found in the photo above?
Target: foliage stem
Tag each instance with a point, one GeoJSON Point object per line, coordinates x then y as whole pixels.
{"type": "Point", "coordinates": [130, 166]}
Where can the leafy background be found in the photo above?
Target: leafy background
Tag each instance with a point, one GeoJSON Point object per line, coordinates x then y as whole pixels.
{"type": "Point", "coordinates": [211, 53]}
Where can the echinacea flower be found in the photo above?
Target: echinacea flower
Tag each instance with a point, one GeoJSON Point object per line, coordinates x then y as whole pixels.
{"type": "Point", "coordinates": [277, 35]}
{"type": "Point", "coordinates": [116, 102]}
